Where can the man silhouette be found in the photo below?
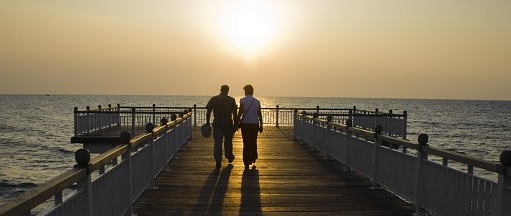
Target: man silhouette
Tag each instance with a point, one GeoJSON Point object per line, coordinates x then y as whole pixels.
{"type": "Point", "coordinates": [224, 118]}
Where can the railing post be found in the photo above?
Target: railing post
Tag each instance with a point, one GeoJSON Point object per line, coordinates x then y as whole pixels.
{"type": "Point", "coordinates": [133, 121]}
{"type": "Point", "coordinates": [389, 124]}
{"type": "Point", "coordinates": [377, 144]}
{"type": "Point", "coordinates": [181, 130]}
{"type": "Point", "coordinates": [349, 124]}
{"type": "Point", "coordinates": [328, 120]}
{"type": "Point", "coordinates": [58, 198]}
{"type": "Point", "coordinates": [119, 120]}
{"type": "Point", "coordinates": [195, 115]}
{"type": "Point", "coordinates": [352, 112]}
{"type": "Point", "coordinates": [277, 117]}
{"type": "Point", "coordinates": [125, 139]}
{"type": "Point", "coordinates": [110, 119]}
{"type": "Point", "coordinates": [503, 193]}
{"type": "Point", "coordinates": [149, 129]}
{"type": "Point", "coordinates": [154, 114]}
{"type": "Point", "coordinates": [85, 184]}
{"type": "Point", "coordinates": [405, 128]}
{"type": "Point", "coordinates": [315, 124]}
{"type": "Point", "coordinates": [82, 158]}
{"type": "Point", "coordinates": [88, 119]}
{"type": "Point", "coordinates": [190, 129]}
{"type": "Point", "coordinates": [421, 155]}
{"type": "Point", "coordinates": [176, 138]}
{"type": "Point", "coordinates": [100, 118]}
{"type": "Point", "coordinates": [303, 125]}
{"type": "Point", "coordinates": [189, 125]}
{"type": "Point", "coordinates": [173, 141]}
{"type": "Point", "coordinates": [375, 121]}
{"type": "Point", "coordinates": [295, 116]}
{"type": "Point", "coordinates": [405, 119]}
{"type": "Point", "coordinates": [76, 120]}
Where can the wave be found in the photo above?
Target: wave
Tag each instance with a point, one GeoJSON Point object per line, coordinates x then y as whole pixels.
{"type": "Point", "coordinates": [5, 184]}
{"type": "Point", "coordinates": [7, 128]}
{"type": "Point", "coordinates": [9, 190]}
{"type": "Point", "coordinates": [62, 150]}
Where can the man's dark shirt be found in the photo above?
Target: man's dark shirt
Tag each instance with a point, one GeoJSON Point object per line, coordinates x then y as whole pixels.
{"type": "Point", "coordinates": [223, 107]}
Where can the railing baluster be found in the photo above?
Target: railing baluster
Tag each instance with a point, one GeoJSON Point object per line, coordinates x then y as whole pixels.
{"type": "Point", "coordinates": [58, 198]}
{"type": "Point", "coordinates": [377, 144]}
{"type": "Point", "coordinates": [195, 115]}
{"type": "Point", "coordinates": [277, 116]}
{"type": "Point", "coordinates": [421, 156]}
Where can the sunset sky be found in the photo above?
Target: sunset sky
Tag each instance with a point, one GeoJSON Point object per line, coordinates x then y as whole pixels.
{"type": "Point", "coordinates": [456, 49]}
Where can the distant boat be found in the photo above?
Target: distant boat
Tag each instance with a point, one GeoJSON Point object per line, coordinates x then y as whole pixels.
{"type": "Point", "coordinates": [47, 95]}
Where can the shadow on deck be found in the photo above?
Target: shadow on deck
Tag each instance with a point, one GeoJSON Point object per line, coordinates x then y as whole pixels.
{"type": "Point", "coordinates": [288, 179]}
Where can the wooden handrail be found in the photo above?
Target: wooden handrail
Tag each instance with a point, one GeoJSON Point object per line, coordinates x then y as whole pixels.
{"type": "Point", "coordinates": [41, 193]}
{"type": "Point", "coordinates": [464, 159]}
{"type": "Point", "coordinates": [103, 159]}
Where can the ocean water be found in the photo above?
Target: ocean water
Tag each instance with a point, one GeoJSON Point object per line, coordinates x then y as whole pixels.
{"type": "Point", "coordinates": [35, 130]}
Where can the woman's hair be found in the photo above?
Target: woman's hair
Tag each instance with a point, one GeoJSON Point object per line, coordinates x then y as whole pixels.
{"type": "Point", "coordinates": [249, 90]}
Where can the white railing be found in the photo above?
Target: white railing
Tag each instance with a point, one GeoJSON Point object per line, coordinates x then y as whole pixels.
{"type": "Point", "coordinates": [109, 183]}
{"type": "Point", "coordinates": [403, 168]}
{"type": "Point", "coordinates": [90, 121]}
{"type": "Point", "coordinates": [395, 124]}
{"type": "Point", "coordinates": [113, 120]}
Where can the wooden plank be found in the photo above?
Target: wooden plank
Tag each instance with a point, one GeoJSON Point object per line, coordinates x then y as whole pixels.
{"type": "Point", "coordinates": [289, 179]}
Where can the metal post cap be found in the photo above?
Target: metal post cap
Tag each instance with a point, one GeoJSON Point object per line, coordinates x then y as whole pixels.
{"type": "Point", "coordinates": [149, 127]}
{"type": "Point", "coordinates": [125, 137]}
{"type": "Point", "coordinates": [423, 139]}
{"type": "Point", "coordinates": [378, 129]}
{"type": "Point", "coordinates": [505, 157]}
{"type": "Point", "coordinates": [82, 156]}
{"type": "Point", "coordinates": [164, 121]}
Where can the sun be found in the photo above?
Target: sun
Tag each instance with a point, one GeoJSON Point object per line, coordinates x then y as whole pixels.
{"type": "Point", "coordinates": [249, 26]}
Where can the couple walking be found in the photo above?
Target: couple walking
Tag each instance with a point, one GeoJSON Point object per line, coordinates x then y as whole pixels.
{"type": "Point", "coordinates": [226, 121]}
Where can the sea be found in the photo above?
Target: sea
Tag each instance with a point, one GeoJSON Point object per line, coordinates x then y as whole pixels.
{"type": "Point", "coordinates": [35, 130]}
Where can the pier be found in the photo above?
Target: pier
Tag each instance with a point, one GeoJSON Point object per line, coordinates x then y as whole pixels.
{"type": "Point", "coordinates": [289, 178]}
{"type": "Point", "coordinates": [153, 161]}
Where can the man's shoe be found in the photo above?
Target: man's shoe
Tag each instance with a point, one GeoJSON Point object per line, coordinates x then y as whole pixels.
{"type": "Point", "coordinates": [231, 159]}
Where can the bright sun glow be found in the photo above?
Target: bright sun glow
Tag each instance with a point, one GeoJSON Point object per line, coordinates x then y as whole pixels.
{"type": "Point", "coordinates": [249, 26]}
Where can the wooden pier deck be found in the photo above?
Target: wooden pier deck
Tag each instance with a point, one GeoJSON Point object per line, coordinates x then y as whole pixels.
{"type": "Point", "coordinates": [289, 179]}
